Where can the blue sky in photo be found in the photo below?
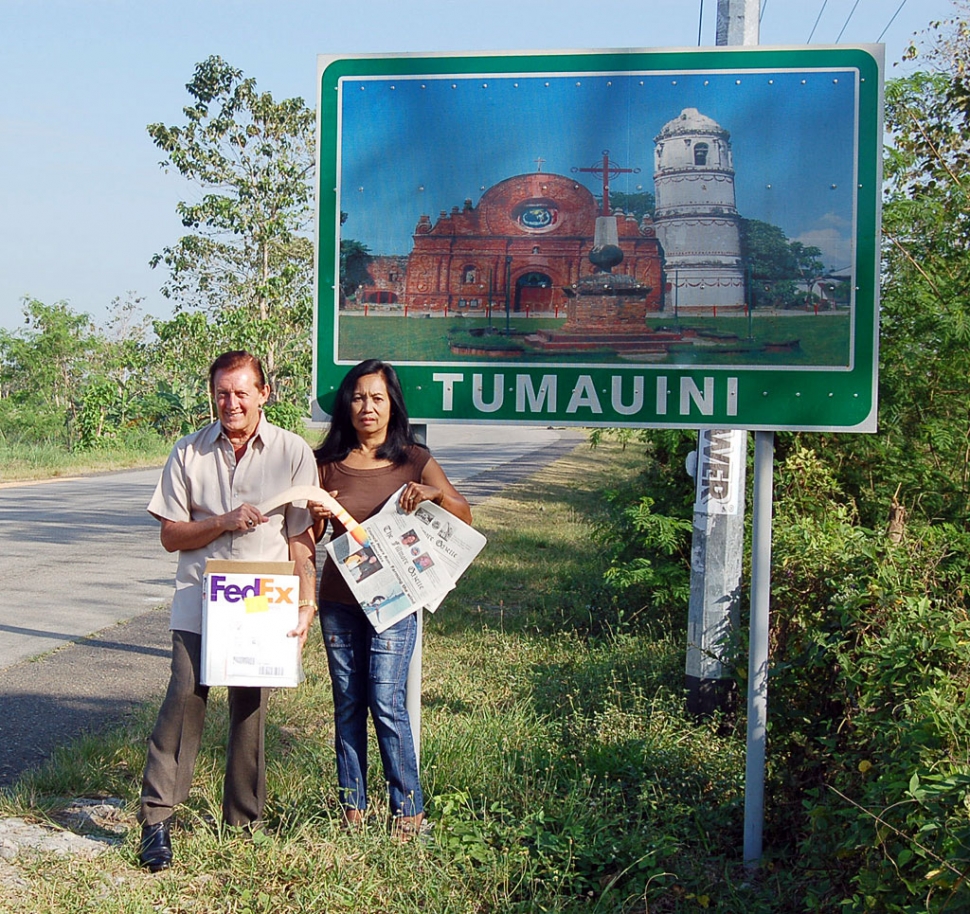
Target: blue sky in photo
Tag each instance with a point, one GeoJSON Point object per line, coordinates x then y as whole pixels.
{"type": "Point", "coordinates": [422, 145]}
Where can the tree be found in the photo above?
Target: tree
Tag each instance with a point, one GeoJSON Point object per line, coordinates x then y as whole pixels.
{"type": "Point", "coordinates": [246, 260]}
{"type": "Point", "coordinates": [118, 371]}
{"type": "Point", "coordinates": [638, 205]}
{"type": "Point", "coordinates": [777, 266]}
{"type": "Point", "coordinates": [920, 455]}
{"type": "Point", "coordinates": [43, 370]}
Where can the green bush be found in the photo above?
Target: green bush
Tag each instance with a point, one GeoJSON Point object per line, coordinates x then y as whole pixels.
{"type": "Point", "coordinates": [868, 710]}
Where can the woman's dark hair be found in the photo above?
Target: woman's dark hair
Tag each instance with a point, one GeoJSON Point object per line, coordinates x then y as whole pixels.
{"type": "Point", "coordinates": [230, 361]}
{"type": "Point", "coordinates": [341, 437]}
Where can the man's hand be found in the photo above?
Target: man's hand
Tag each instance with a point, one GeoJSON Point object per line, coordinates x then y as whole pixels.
{"type": "Point", "coordinates": [245, 517]}
{"type": "Point", "coordinates": [302, 630]}
{"type": "Point", "coordinates": [194, 534]}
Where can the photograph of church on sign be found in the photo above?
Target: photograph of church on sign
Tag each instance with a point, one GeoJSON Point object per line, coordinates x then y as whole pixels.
{"type": "Point", "coordinates": [544, 224]}
{"type": "Point", "coordinates": [658, 220]}
{"type": "Point", "coordinates": [530, 234]}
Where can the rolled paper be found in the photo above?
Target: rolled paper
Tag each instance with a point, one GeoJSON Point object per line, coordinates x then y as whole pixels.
{"type": "Point", "coordinates": [315, 493]}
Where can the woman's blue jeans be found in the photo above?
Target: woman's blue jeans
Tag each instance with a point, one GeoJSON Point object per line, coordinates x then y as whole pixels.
{"type": "Point", "coordinates": [369, 672]}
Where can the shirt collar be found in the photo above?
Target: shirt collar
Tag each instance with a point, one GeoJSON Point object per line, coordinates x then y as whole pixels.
{"type": "Point", "coordinates": [217, 431]}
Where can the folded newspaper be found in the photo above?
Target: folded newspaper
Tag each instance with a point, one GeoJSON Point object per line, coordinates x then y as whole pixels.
{"type": "Point", "coordinates": [401, 562]}
{"type": "Point", "coordinates": [408, 560]}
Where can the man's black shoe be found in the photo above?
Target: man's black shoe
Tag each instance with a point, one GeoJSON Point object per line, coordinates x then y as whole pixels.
{"type": "Point", "coordinates": [156, 846]}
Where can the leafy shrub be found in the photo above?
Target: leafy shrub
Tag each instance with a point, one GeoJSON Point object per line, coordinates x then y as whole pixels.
{"type": "Point", "coordinates": [870, 724]}
{"type": "Point", "coordinates": [286, 415]}
{"type": "Point", "coordinates": [647, 538]}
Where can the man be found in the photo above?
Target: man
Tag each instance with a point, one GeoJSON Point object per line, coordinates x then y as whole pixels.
{"type": "Point", "coordinates": [205, 502]}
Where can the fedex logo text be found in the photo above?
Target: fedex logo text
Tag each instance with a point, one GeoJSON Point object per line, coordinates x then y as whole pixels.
{"type": "Point", "coordinates": [260, 587]}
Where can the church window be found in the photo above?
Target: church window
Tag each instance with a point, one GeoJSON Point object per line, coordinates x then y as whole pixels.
{"type": "Point", "coordinates": [539, 215]}
{"type": "Point", "coordinates": [700, 154]}
{"type": "Point", "coordinates": [469, 273]}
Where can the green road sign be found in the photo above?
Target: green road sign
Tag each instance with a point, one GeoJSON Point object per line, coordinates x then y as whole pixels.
{"type": "Point", "coordinates": [615, 238]}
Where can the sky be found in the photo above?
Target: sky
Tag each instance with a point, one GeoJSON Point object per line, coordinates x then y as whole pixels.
{"type": "Point", "coordinates": [83, 202]}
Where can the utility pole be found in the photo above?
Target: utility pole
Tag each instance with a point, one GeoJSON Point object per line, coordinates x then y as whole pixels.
{"type": "Point", "coordinates": [719, 475]}
{"type": "Point", "coordinates": [738, 22]}
{"type": "Point", "coordinates": [716, 552]}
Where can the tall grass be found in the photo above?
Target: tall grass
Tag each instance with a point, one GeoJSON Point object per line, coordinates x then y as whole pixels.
{"type": "Point", "coordinates": [560, 769]}
{"type": "Point", "coordinates": [21, 462]}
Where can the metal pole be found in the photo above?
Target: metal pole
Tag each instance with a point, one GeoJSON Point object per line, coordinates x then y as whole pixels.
{"type": "Point", "coordinates": [754, 769]}
{"type": "Point", "coordinates": [508, 295]}
{"type": "Point", "coordinates": [412, 690]}
{"type": "Point", "coordinates": [738, 22]}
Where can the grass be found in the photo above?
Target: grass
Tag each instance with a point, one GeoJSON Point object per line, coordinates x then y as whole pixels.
{"type": "Point", "coordinates": [561, 771]}
{"type": "Point", "coordinates": [26, 462]}
{"type": "Point", "coordinates": [823, 339]}
{"type": "Point", "coordinates": [31, 462]}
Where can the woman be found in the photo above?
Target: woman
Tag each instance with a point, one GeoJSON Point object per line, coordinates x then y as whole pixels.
{"type": "Point", "coordinates": [368, 453]}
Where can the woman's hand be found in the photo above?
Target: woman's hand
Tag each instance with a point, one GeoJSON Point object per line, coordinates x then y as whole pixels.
{"type": "Point", "coordinates": [319, 511]}
{"type": "Point", "coordinates": [415, 492]}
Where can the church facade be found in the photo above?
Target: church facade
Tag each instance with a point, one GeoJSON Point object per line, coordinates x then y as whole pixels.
{"type": "Point", "coordinates": [526, 241]}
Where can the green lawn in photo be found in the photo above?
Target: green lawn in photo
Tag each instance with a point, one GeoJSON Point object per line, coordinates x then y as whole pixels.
{"type": "Point", "coordinates": [814, 340]}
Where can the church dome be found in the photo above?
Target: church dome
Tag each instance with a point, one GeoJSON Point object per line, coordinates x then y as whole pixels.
{"type": "Point", "coordinates": [691, 121]}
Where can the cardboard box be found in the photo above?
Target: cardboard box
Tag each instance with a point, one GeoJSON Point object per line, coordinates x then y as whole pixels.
{"type": "Point", "coordinates": [247, 609]}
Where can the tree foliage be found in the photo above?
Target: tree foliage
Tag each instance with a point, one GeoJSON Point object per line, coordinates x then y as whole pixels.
{"type": "Point", "coordinates": [920, 455]}
{"type": "Point", "coordinates": [777, 267]}
{"type": "Point", "coordinates": [42, 368]}
{"type": "Point", "coordinates": [246, 260]}
{"type": "Point", "coordinates": [354, 259]}
{"type": "Point", "coordinates": [240, 278]}
{"type": "Point", "coordinates": [638, 205]}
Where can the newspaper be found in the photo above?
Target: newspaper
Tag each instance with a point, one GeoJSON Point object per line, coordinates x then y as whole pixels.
{"type": "Point", "coordinates": [407, 560]}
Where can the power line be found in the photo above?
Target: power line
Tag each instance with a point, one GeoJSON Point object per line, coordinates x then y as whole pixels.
{"type": "Point", "coordinates": [837, 40]}
{"type": "Point", "coordinates": [822, 10]}
{"type": "Point", "coordinates": [886, 29]}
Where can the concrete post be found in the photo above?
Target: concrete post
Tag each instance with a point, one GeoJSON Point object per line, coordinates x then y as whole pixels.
{"type": "Point", "coordinates": [715, 574]}
{"type": "Point", "coordinates": [738, 22]}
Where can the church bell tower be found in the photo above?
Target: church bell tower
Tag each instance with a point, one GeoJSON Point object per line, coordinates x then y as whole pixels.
{"type": "Point", "coordinates": [696, 217]}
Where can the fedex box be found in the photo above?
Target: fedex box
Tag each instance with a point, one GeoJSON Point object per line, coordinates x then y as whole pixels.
{"type": "Point", "coordinates": [247, 609]}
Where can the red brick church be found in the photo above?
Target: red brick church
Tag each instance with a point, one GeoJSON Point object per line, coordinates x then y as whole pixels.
{"type": "Point", "coordinates": [528, 238]}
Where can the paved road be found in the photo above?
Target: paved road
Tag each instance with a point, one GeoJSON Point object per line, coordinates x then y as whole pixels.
{"type": "Point", "coordinates": [82, 556]}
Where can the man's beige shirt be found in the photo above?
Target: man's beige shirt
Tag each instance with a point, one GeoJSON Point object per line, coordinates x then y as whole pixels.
{"type": "Point", "coordinates": [202, 479]}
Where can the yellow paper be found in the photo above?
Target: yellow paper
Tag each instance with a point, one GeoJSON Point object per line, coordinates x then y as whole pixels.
{"type": "Point", "coordinates": [257, 604]}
